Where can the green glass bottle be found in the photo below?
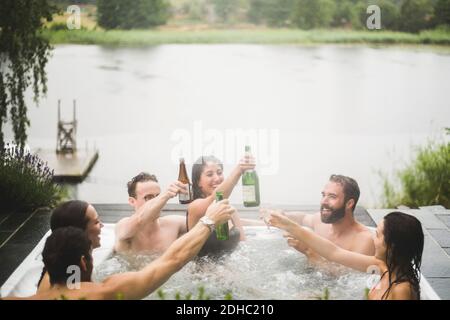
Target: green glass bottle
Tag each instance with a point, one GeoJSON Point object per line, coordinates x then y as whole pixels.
{"type": "Point", "coordinates": [221, 229]}
{"type": "Point", "coordinates": [250, 186]}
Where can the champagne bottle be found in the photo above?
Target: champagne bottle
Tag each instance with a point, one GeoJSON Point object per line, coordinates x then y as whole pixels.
{"type": "Point", "coordinates": [183, 178]}
{"type": "Point", "coordinates": [221, 229]}
{"type": "Point", "coordinates": [250, 186]}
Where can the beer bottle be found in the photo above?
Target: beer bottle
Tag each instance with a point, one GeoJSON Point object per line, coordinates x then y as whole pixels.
{"type": "Point", "coordinates": [221, 229]}
{"type": "Point", "coordinates": [183, 178]}
{"type": "Point", "coordinates": [250, 186]}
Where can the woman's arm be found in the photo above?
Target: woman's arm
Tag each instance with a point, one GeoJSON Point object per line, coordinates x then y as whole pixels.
{"type": "Point", "coordinates": [197, 208]}
{"type": "Point", "coordinates": [322, 246]}
{"type": "Point", "coordinates": [136, 285]}
{"type": "Point", "coordinates": [227, 186]}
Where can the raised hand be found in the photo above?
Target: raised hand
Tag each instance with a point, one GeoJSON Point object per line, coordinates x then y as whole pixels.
{"type": "Point", "coordinates": [220, 212]}
{"type": "Point", "coordinates": [264, 214]}
{"type": "Point", "coordinates": [279, 220]}
{"type": "Point", "coordinates": [247, 163]}
{"type": "Point", "coordinates": [175, 188]}
{"type": "Point", "coordinates": [296, 244]}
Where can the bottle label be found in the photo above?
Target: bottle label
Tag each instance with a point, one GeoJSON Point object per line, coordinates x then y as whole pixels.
{"type": "Point", "coordinates": [186, 197]}
{"type": "Point", "coordinates": [249, 193]}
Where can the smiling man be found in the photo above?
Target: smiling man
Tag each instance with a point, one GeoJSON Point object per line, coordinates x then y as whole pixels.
{"type": "Point", "coordinates": [336, 221]}
{"type": "Point", "coordinates": [145, 230]}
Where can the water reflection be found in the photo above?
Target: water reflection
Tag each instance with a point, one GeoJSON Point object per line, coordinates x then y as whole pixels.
{"type": "Point", "coordinates": [338, 109]}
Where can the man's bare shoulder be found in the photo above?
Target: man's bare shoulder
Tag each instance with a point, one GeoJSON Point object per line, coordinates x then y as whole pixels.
{"type": "Point", "coordinates": [122, 221]}
{"type": "Point", "coordinates": [363, 232]}
{"type": "Point", "coordinates": [363, 241]}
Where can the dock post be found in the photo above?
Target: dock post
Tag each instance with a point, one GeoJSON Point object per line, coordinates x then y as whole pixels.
{"type": "Point", "coordinates": [66, 138]}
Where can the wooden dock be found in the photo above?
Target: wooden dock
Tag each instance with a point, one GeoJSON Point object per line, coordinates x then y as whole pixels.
{"type": "Point", "coordinates": [69, 167]}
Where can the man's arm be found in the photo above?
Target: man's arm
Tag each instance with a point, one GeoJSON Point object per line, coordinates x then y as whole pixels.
{"type": "Point", "coordinates": [148, 213]}
{"type": "Point", "coordinates": [136, 285]}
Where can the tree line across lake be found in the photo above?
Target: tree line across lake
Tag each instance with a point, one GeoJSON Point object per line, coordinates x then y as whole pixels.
{"type": "Point", "coordinates": [397, 15]}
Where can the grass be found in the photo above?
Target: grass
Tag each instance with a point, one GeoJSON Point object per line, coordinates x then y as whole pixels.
{"type": "Point", "coordinates": [241, 36]}
{"type": "Point", "coordinates": [182, 31]}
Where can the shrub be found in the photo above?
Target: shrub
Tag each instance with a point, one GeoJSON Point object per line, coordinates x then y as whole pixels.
{"type": "Point", "coordinates": [416, 15]}
{"type": "Point", "coordinates": [426, 181]}
{"type": "Point", "coordinates": [311, 14]}
{"type": "Point", "coordinates": [26, 182]}
{"type": "Point", "coordinates": [132, 14]}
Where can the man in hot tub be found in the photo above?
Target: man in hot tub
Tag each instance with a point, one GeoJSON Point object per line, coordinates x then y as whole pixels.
{"type": "Point", "coordinates": [335, 221]}
{"type": "Point", "coordinates": [145, 230]}
{"type": "Point", "coordinates": [67, 256]}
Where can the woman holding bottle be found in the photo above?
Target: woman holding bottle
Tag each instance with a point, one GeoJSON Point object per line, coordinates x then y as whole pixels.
{"type": "Point", "coordinates": [207, 179]}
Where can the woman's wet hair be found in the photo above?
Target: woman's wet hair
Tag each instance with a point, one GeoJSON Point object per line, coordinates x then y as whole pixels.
{"type": "Point", "coordinates": [197, 169]}
{"type": "Point", "coordinates": [64, 248]}
{"type": "Point", "coordinates": [404, 239]}
{"type": "Point", "coordinates": [70, 214]}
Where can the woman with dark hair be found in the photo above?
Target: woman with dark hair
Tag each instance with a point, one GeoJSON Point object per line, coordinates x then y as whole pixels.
{"type": "Point", "coordinates": [398, 243]}
{"type": "Point", "coordinates": [78, 214]}
{"type": "Point", "coordinates": [207, 179]}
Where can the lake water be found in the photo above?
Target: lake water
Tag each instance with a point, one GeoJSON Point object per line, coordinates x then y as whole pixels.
{"type": "Point", "coordinates": [308, 112]}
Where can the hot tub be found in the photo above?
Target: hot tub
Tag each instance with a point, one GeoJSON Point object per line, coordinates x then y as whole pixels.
{"type": "Point", "coordinates": [263, 267]}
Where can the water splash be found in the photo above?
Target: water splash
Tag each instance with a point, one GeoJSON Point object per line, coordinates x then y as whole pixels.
{"type": "Point", "coordinates": [262, 267]}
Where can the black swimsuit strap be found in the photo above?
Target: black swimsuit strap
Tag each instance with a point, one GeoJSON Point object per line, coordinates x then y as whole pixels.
{"type": "Point", "coordinates": [187, 225]}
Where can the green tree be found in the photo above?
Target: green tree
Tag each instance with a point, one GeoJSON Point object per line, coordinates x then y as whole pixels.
{"type": "Point", "coordinates": [309, 14]}
{"type": "Point", "coordinates": [390, 13]}
{"type": "Point", "coordinates": [442, 12]}
{"type": "Point", "coordinates": [24, 53]}
{"type": "Point", "coordinates": [275, 13]}
{"type": "Point", "coordinates": [346, 14]}
{"type": "Point", "coordinates": [225, 9]}
{"type": "Point", "coordinates": [416, 15]}
{"type": "Point", "coordinates": [129, 14]}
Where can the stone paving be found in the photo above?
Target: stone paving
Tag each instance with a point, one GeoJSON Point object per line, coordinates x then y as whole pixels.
{"type": "Point", "coordinates": [436, 254]}
{"type": "Point", "coordinates": [19, 233]}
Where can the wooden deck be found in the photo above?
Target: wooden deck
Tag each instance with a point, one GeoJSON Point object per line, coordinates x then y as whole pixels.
{"type": "Point", "coordinates": [70, 167]}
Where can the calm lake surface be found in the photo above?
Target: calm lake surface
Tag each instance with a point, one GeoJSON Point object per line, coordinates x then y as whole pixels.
{"type": "Point", "coordinates": [308, 112]}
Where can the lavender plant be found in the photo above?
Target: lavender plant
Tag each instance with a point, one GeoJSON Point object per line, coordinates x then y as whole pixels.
{"type": "Point", "coordinates": [26, 182]}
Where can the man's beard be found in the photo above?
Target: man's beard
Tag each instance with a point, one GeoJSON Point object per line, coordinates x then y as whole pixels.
{"type": "Point", "coordinates": [334, 216]}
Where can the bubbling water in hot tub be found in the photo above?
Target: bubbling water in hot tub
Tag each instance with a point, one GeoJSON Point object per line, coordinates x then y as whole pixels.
{"type": "Point", "coordinates": [262, 267]}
